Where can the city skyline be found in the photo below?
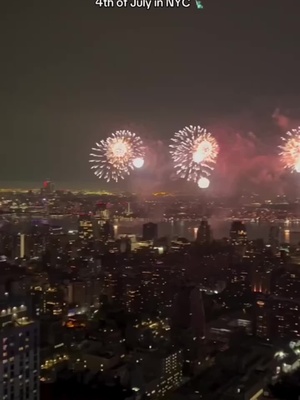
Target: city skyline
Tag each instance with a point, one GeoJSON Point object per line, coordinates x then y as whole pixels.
{"type": "Point", "coordinates": [143, 297]}
{"type": "Point", "coordinates": [150, 200]}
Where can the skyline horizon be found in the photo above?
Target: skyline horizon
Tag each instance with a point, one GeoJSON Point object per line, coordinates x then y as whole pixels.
{"type": "Point", "coordinates": [91, 187]}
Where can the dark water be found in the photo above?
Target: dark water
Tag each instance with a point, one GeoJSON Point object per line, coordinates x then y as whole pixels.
{"type": "Point", "coordinates": [220, 229]}
{"type": "Point", "coordinates": [289, 233]}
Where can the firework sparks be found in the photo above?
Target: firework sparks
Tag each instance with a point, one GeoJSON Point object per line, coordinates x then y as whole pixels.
{"type": "Point", "coordinates": [290, 150]}
{"type": "Point", "coordinates": [194, 152]}
{"type": "Point", "coordinates": [118, 155]}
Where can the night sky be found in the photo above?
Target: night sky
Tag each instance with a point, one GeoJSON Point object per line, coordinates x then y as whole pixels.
{"type": "Point", "coordinates": [72, 72]}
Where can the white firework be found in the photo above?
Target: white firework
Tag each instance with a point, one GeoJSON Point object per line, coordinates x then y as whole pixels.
{"type": "Point", "coordinates": [290, 150]}
{"type": "Point", "coordinates": [117, 156]}
{"type": "Point", "coordinates": [194, 152]}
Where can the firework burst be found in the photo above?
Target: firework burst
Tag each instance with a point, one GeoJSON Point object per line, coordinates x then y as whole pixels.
{"type": "Point", "coordinates": [290, 150]}
{"type": "Point", "coordinates": [117, 156]}
{"type": "Point", "coordinates": [194, 152]}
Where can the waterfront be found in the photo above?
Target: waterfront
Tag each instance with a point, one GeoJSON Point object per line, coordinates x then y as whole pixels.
{"type": "Point", "coordinates": [220, 229]}
{"type": "Point", "coordinates": [181, 228]}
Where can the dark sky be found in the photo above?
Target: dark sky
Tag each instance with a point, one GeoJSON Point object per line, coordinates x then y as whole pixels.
{"type": "Point", "coordinates": [72, 72]}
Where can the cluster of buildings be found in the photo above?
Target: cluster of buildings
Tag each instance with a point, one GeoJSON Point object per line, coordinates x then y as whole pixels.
{"type": "Point", "coordinates": [144, 317]}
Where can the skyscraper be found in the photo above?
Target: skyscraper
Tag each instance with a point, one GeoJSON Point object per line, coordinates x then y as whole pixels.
{"type": "Point", "coordinates": [19, 367]}
{"type": "Point", "coordinates": [106, 231]}
{"type": "Point", "coordinates": [150, 231]}
{"type": "Point", "coordinates": [102, 211]}
{"type": "Point", "coordinates": [189, 311]}
{"type": "Point", "coordinates": [261, 279]}
{"type": "Point", "coordinates": [204, 233]}
{"type": "Point", "coordinates": [277, 317]}
{"type": "Point", "coordinates": [22, 245]}
{"type": "Point", "coordinates": [274, 238]}
{"type": "Point", "coordinates": [188, 323]}
{"type": "Point", "coordinates": [238, 232]}
{"type": "Point", "coordinates": [85, 229]}
{"type": "Point", "coordinates": [48, 187]}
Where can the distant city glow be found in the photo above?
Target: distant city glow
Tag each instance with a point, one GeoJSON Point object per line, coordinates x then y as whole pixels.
{"type": "Point", "coordinates": [203, 183]}
{"type": "Point", "coordinates": [117, 156]}
{"type": "Point", "coordinates": [290, 150]}
{"type": "Point", "coordinates": [194, 152]}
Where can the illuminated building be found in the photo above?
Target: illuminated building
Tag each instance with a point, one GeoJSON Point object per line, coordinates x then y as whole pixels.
{"type": "Point", "coordinates": [102, 212]}
{"type": "Point", "coordinates": [48, 187]}
{"type": "Point", "coordinates": [22, 245]}
{"type": "Point", "coordinates": [156, 295]}
{"type": "Point", "coordinates": [124, 245]}
{"type": "Point", "coordinates": [158, 372]}
{"type": "Point", "coordinates": [262, 317]}
{"type": "Point", "coordinates": [112, 287]}
{"type": "Point", "coordinates": [86, 229]}
{"type": "Point", "coordinates": [78, 293]}
{"type": "Point", "coordinates": [37, 239]}
{"type": "Point", "coordinates": [288, 285]}
{"type": "Point", "coordinates": [132, 296]}
{"type": "Point", "coordinates": [46, 300]}
{"type": "Point", "coordinates": [238, 233]}
{"type": "Point", "coordinates": [261, 279]}
{"type": "Point", "coordinates": [106, 231]}
{"type": "Point", "coordinates": [84, 293]}
{"type": "Point", "coordinates": [19, 357]}
{"type": "Point", "coordinates": [128, 212]}
{"type": "Point", "coordinates": [150, 231]}
{"type": "Point", "coordinates": [285, 317]}
{"type": "Point", "coordinates": [188, 323]}
{"type": "Point", "coordinates": [277, 317]}
{"type": "Point", "coordinates": [204, 233]}
{"type": "Point", "coordinates": [274, 238]}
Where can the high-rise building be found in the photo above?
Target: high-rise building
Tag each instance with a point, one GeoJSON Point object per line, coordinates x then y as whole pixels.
{"type": "Point", "coordinates": [277, 317]}
{"type": "Point", "coordinates": [48, 187]}
{"type": "Point", "coordinates": [150, 231]}
{"type": "Point", "coordinates": [262, 318]}
{"type": "Point", "coordinates": [204, 233]}
{"type": "Point", "coordinates": [77, 293]}
{"type": "Point", "coordinates": [189, 310]}
{"type": "Point", "coordinates": [261, 279]}
{"type": "Point", "coordinates": [238, 232]}
{"type": "Point", "coordinates": [274, 238]}
{"type": "Point", "coordinates": [124, 245]}
{"type": "Point", "coordinates": [128, 212]}
{"type": "Point", "coordinates": [159, 372]}
{"type": "Point", "coordinates": [106, 231]}
{"type": "Point", "coordinates": [102, 211]}
{"type": "Point", "coordinates": [22, 245]}
{"type": "Point", "coordinates": [19, 367]}
{"type": "Point", "coordinates": [86, 228]}
{"type": "Point", "coordinates": [294, 238]}
{"type": "Point", "coordinates": [188, 323]}
{"type": "Point", "coordinates": [287, 284]}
